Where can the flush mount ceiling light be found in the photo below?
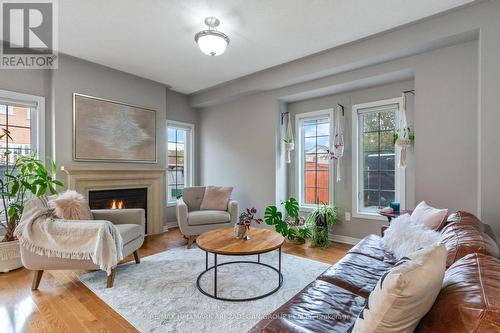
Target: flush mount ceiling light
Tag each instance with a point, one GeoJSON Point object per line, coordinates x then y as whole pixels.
{"type": "Point", "coordinates": [211, 41]}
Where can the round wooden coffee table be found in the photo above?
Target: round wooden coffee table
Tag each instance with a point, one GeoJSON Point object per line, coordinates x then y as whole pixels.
{"type": "Point", "coordinates": [223, 242]}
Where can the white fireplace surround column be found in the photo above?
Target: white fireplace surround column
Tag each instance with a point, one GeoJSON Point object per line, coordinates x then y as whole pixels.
{"type": "Point", "coordinates": [87, 178]}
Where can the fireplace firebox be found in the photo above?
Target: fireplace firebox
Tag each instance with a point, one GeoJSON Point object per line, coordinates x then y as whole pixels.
{"type": "Point", "coordinates": [120, 199]}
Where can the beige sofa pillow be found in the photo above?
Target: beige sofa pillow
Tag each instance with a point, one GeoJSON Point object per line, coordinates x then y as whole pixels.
{"type": "Point", "coordinates": [71, 205]}
{"type": "Point", "coordinates": [405, 293]}
{"type": "Point", "coordinates": [430, 217]}
{"type": "Point", "coordinates": [216, 198]}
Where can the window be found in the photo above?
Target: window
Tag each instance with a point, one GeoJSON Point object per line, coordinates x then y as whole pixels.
{"type": "Point", "coordinates": [179, 158]}
{"type": "Point", "coordinates": [377, 179]}
{"type": "Point", "coordinates": [22, 116]}
{"type": "Point", "coordinates": [314, 169]}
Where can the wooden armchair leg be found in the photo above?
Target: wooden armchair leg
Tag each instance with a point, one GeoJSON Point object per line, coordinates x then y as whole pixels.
{"type": "Point", "coordinates": [190, 241]}
{"type": "Point", "coordinates": [111, 278]}
{"type": "Point", "coordinates": [36, 280]}
{"type": "Point", "coordinates": [136, 257]}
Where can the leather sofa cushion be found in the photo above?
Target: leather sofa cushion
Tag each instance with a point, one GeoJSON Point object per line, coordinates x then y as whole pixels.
{"type": "Point", "coordinates": [469, 300]}
{"type": "Point", "coordinates": [201, 217]}
{"type": "Point", "coordinates": [371, 246]}
{"type": "Point", "coordinates": [320, 307]}
{"type": "Point", "coordinates": [356, 273]}
{"type": "Point", "coordinates": [129, 232]}
{"type": "Point", "coordinates": [461, 239]}
{"type": "Point", "coordinates": [469, 218]}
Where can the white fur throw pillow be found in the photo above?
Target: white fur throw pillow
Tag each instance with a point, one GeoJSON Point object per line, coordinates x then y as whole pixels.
{"type": "Point", "coordinates": [71, 205]}
{"type": "Point", "coordinates": [406, 235]}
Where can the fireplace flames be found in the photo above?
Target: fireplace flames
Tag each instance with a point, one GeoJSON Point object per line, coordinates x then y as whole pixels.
{"type": "Point", "coordinates": [117, 204]}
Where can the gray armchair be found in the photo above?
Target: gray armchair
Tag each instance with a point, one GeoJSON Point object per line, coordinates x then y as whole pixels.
{"type": "Point", "coordinates": [130, 225]}
{"type": "Point", "coordinates": [193, 221]}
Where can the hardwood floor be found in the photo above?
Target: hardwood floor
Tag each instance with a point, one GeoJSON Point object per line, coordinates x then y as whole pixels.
{"type": "Point", "coordinates": [64, 304]}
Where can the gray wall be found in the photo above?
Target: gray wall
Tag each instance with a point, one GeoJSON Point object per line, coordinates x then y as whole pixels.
{"type": "Point", "coordinates": [238, 138]}
{"type": "Point", "coordinates": [435, 82]}
{"type": "Point", "coordinates": [76, 75]}
{"type": "Point", "coordinates": [343, 189]}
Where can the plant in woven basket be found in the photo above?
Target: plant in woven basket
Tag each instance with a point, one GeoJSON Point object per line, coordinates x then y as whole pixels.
{"type": "Point", "coordinates": [319, 220]}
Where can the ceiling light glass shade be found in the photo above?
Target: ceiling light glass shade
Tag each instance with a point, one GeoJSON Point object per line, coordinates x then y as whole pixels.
{"type": "Point", "coordinates": [212, 42]}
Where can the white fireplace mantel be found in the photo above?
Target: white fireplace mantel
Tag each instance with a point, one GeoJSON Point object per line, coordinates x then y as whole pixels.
{"type": "Point", "coordinates": [84, 179]}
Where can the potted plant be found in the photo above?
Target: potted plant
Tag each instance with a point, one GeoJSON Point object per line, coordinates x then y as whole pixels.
{"type": "Point", "coordinates": [292, 227]}
{"type": "Point", "coordinates": [289, 147]}
{"type": "Point", "coordinates": [403, 138]}
{"type": "Point", "coordinates": [27, 177]}
{"type": "Point", "coordinates": [319, 220]}
{"type": "Point", "coordinates": [289, 144]}
{"type": "Point", "coordinates": [245, 221]}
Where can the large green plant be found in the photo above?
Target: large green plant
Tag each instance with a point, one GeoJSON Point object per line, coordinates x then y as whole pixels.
{"type": "Point", "coordinates": [26, 178]}
{"type": "Point", "coordinates": [319, 220]}
{"type": "Point", "coordinates": [272, 216]}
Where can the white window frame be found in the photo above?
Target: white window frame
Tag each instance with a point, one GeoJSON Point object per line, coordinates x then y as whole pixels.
{"type": "Point", "coordinates": [188, 158]}
{"type": "Point", "coordinates": [37, 116]}
{"type": "Point", "coordinates": [299, 156]}
{"type": "Point", "coordinates": [8, 110]}
{"type": "Point", "coordinates": [400, 190]}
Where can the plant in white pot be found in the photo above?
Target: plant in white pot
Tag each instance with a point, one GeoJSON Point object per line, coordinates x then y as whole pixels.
{"type": "Point", "coordinates": [289, 147]}
{"type": "Point", "coordinates": [27, 177]}
{"type": "Point", "coordinates": [403, 139]}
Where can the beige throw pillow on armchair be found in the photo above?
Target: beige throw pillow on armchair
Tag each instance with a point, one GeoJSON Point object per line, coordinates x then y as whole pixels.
{"type": "Point", "coordinates": [216, 198]}
{"type": "Point", "coordinates": [71, 205]}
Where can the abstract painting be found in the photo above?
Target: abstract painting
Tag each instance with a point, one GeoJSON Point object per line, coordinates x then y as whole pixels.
{"type": "Point", "coordinates": [111, 131]}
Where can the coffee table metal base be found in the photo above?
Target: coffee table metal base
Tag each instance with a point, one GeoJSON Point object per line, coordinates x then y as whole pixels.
{"type": "Point", "coordinates": [215, 266]}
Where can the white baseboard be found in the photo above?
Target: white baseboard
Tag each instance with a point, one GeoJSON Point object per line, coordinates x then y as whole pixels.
{"type": "Point", "coordinates": [171, 224]}
{"type": "Point", "coordinates": [344, 239]}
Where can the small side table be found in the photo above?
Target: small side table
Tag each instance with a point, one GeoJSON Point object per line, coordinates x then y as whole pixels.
{"type": "Point", "coordinates": [391, 216]}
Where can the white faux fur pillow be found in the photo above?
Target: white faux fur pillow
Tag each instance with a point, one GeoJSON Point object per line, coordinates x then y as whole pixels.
{"type": "Point", "coordinates": [405, 236]}
{"type": "Point", "coordinates": [71, 205]}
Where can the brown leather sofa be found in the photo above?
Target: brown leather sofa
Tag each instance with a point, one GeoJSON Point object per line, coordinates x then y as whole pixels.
{"type": "Point", "coordinates": [468, 302]}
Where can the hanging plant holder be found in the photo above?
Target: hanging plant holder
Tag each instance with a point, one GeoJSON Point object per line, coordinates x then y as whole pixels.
{"type": "Point", "coordinates": [338, 141]}
{"type": "Point", "coordinates": [288, 140]}
{"type": "Point", "coordinates": [403, 135]}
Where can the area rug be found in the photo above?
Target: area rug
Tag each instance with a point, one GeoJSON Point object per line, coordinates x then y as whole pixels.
{"type": "Point", "coordinates": [160, 294]}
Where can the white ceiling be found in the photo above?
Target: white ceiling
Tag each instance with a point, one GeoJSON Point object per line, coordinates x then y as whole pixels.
{"type": "Point", "coordinates": [155, 38]}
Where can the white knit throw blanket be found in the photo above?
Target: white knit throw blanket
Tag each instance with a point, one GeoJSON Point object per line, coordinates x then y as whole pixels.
{"type": "Point", "coordinates": [40, 232]}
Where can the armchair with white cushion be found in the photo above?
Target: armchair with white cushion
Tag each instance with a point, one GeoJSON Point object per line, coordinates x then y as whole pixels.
{"type": "Point", "coordinates": [193, 221]}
